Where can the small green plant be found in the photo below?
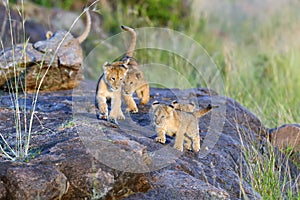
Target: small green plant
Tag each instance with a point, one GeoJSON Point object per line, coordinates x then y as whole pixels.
{"type": "Point", "coordinates": [67, 124]}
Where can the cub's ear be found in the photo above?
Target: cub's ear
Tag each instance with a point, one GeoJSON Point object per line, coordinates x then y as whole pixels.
{"type": "Point", "coordinates": [170, 108]}
{"type": "Point", "coordinates": [105, 66]}
{"type": "Point", "coordinates": [124, 68]}
{"type": "Point", "coordinates": [192, 103]}
{"type": "Point", "coordinates": [155, 103]}
{"type": "Point", "coordinates": [126, 63]}
{"type": "Point", "coordinates": [174, 102]}
{"type": "Point", "coordinates": [138, 75]}
{"type": "Point", "coordinates": [209, 106]}
{"type": "Point", "coordinates": [49, 34]}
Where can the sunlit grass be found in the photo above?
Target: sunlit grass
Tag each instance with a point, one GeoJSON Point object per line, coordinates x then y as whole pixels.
{"type": "Point", "coordinates": [269, 173]}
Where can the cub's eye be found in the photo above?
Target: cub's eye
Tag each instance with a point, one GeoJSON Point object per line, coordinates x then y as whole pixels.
{"type": "Point", "coordinates": [131, 83]}
{"type": "Point", "coordinates": [113, 79]}
{"type": "Point", "coordinates": [121, 79]}
{"type": "Point", "coordinates": [162, 116]}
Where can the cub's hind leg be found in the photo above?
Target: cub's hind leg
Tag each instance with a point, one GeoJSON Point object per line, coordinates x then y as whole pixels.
{"type": "Point", "coordinates": [143, 93]}
{"type": "Point", "coordinates": [131, 106]}
{"type": "Point", "coordinates": [179, 141]}
{"type": "Point", "coordinates": [196, 140]}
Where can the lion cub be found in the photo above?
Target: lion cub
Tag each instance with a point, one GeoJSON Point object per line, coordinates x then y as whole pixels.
{"type": "Point", "coordinates": [109, 87]}
{"type": "Point", "coordinates": [184, 125]}
{"type": "Point", "coordinates": [135, 80]}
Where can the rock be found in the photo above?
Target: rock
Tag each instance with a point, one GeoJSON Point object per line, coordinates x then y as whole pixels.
{"type": "Point", "coordinates": [36, 182]}
{"type": "Point", "coordinates": [46, 65]}
{"type": "Point", "coordinates": [179, 185]}
{"type": "Point", "coordinates": [57, 65]}
{"type": "Point", "coordinates": [87, 176]}
{"type": "Point", "coordinates": [94, 159]}
{"type": "Point", "coordinates": [286, 136]}
{"type": "Point", "coordinates": [3, 191]}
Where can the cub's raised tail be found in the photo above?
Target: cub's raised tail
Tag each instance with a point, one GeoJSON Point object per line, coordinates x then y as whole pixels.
{"type": "Point", "coordinates": [133, 40]}
{"type": "Point", "coordinates": [200, 113]}
{"type": "Point", "coordinates": [87, 30]}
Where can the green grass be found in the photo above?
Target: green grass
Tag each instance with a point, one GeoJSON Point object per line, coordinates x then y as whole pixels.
{"type": "Point", "coordinates": [269, 174]}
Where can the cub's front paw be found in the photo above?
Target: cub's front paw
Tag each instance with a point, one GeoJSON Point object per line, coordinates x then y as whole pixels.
{"type": "Point", "coordinates": [179, 148]}
{"type": "Point", "coordinates": [188, 147]}
{"type": "Point", "coordinates": [102, 116]}
{"type": "Point", "coordinates": [144, 101]}
{"type": "Point", "coordinates": [196, 148]}
{"type": "Point", "coordinates": [132, 110]}
{"type": "Point", "coordinates": [160, 140]}
{"type": "Point", "coordinates": [117, 116]}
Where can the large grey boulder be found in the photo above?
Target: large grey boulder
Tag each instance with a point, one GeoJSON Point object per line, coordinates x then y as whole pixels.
{"type": "Point", "coordinates": [92, 159]}
{"type": "Point", "coordinates": [50, 65]}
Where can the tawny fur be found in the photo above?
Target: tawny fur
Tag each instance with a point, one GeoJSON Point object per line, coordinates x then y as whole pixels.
{"type": "Point", "coordinates": [87, 30]}
{"type": "Point", "coordinates": [110, 87]}
{"type": "Point", "coordinates": [49, 34]}
{"type": "Point", "coordinates": [133, 40]}
{"type": "Point", "coordinates": [184, 125]}
{"type": "Point", "coordinates": [135, 80]}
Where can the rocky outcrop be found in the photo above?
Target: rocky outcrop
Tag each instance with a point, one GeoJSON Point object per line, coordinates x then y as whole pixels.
{"type": "Point", "coordinates": [49, 65]}
{"type": "Point", "coordinates": [35, 181]}
{"type": "Point", "coordinates": [96, 159]}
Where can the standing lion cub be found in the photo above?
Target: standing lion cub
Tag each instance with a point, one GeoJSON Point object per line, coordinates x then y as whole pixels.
{"type": "Point", "coordinates": [110, 87]}
{"type": "Point", "coordinates": [184, 125]}
{"type": "Point", "coordinates": [135, 80]}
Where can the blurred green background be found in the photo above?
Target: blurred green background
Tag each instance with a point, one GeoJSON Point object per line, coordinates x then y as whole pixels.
{"type": "Point", "coordinates": [255, 44]}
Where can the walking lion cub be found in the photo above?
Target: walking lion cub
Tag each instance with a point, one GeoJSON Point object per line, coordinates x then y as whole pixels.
{"type": "Point", "coordinates": [135, 80]}
{"type": "Point", "coordinates": [110, 87]}
{"type": "Point", "coordinates": [171, 121]}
